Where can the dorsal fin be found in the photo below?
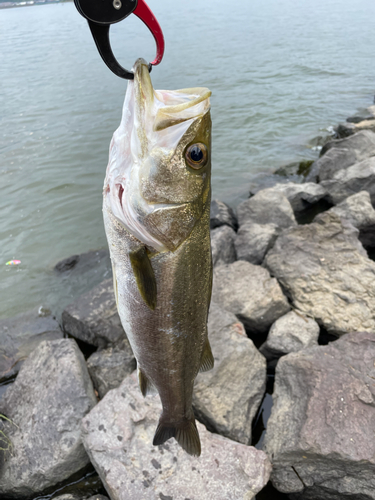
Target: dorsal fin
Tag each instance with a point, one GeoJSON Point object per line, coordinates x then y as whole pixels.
{"type": "Point", "coordinates": [144, 276]}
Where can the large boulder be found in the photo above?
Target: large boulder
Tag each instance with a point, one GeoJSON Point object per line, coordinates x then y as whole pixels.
{"type": "Point", "coordinates": [349, 128]}
{"type": "Point", "coordinates": [93, 317]}
{"type": "Point", "coordinates": [80, 264]}
{"type": "Point", "coordinates": [46, 403]}
{"type": "Point", "coordinates": [254, 240]}
{"type": "Point", "coordinates": [20, 335]}
{"type": "Point", "coordinates": [249, 292]}
{"type": "Point", "coordinates": [118, 436]}
{"type": "Point", "coordinates": [268, 206]}
{"type": "Point", "coordinates": [301, 196]}
{"type": "Point", "coordinates": [227, 397]}
{"type": "Point", "coordinates": [321, 431]}
{"type": "Point", "coordinates": [326, 273]}
{"type": "Point", "coordinates": [358, 210]}
{"type": "Point", "coordinates": [290, 333]}
{"type": "Point", "coordinates": [222, 245]}
{"type": "Point", "coordinates": [346, 182]}
{"type": "Point", "coordinates": [341, 154]}
{"type": "Point", "coordinates": [222, 215]}
{"type": "Point", "coordinates": [108, 367]}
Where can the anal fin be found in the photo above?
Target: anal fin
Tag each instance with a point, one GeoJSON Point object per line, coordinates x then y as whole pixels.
{"type": "Point", "coordinates": [207, 361]}
{"type": "Point", "coordinates": [144, 276]}
{"type": "Point", "coordinates": [144, 384]}
{"type": "Point", "coordinates": [185, 433]}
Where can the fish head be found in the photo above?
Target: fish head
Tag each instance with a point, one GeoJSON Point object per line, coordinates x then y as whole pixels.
{"type": "Point", "coordinates": [158, 176]}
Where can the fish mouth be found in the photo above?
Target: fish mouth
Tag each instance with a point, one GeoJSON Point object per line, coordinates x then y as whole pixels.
{"type": "Point", "coordinates": [150, 119]}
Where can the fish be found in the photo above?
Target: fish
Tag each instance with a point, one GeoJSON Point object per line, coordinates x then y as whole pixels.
{"type": "Point", "coordinates": [156, 209]}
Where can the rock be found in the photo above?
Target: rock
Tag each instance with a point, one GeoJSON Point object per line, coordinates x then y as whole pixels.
{"type": "Point", "coordinates": [357, 209]}
{"type": "Point", "coordinates": [298, 168]}
{"type": "Point", "coordinates": [290, 333]}
{"type": "Point", "coordinates": [358, 119]}
{"type": "Point", "coordinates": [69, 496]}
{"type": "Point", "coordinates": [249, 292]}
{"type": "Point", "coordinates": [222, 245]}
{"type": "Point", "coordinates": [108, 368]}
{"type": "Point", "coordinates": [267, 207]}
{"type": "Point", "coordinates": [222, 215]}
{"type": "Point", "coordinates": [84, 261]}
{"type": "Point", "coordinates": [341, 154]}
{"type": "Point", "coordinates": [51, 394]}
{"type": "Point", "coordinates": [326, 273]}
{"type": "Point", "coordinates": [118, 436]}
{"type": "Point", "coordinates": [20, 335]}
{"type": "Point", "coordinates": [227, 397]}
{"type": "Point", "coordinates": [320, 433]}
{"type": "Point", "coordinates": [265, 180]}
{"type": "Point", "coordinates": [358, 177]}
{"type": "Point", "coordinates": [350, 128]}
{"type": "Point", "coordinates": [254, 240]}
{"type": "Point", "coordinates": [93, 317]}
{"type": "Point", "coordinates": [301, 196]}
{"type": "Point", "coordinates": [98, 497]}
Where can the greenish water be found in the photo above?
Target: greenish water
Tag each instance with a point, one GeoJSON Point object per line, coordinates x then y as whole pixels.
{"type": "Point", "coordinates": [281, 73]}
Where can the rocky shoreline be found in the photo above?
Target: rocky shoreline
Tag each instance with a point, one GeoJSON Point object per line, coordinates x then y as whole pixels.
{"type": "Point", "coordinates": [293, 299]}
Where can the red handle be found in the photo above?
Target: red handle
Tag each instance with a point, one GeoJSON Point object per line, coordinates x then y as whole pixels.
{"type": "Point", "coordinates": [145, 14]}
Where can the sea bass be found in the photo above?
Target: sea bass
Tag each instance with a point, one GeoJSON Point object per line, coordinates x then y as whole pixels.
{"type": "Point", "coordinates": [156, 213]}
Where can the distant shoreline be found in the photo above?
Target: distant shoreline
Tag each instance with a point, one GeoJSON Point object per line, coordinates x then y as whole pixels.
{"type": "Point", "coordinates": [28, 3]}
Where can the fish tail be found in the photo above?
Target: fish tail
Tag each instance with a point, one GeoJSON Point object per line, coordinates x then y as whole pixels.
{"type": "Point", "coordinates": [185, 432]}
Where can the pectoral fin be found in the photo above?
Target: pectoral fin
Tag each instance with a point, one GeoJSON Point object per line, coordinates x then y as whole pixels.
{"type": "Point", "coordinates": [144, 276]}
{"type": "Point", "coordinates": [207, 361]}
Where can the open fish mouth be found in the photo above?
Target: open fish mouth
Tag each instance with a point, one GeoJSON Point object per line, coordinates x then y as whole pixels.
{"type": "Point", "coordinates": [153, 123]}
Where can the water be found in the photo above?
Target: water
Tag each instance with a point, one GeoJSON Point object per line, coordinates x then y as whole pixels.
{"type": "Point", "coordinates": [281, 72]}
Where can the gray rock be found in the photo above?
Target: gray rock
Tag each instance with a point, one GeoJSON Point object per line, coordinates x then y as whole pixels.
{"type": "Point", "coordinates": [98, 497]}
{"type": "Point", "coordinates": [227, 397]}
{"type": "Point", "coordinates": [298, 169]}
{"type": "Point", "coordinates": [264, 180]}
{"type": "Point", "coordinates": [254, 240]}
{"type": "Point", "coordinates": [108, 368]}
{"type": "Point", "coordinates": [341, 154]}
{"type": "Point", "coordinates": [321, 429]}
{"type": "Point", "coordinates": [20, 335]}
{"type": "Point", "coordinates": [249, 292]}
{"type": "Point", "coordinates": [350, 128]}
{"type": "Point", "coordinates": [222, 215]}
{"type": "Point", "coordinates": [93, 317]}
{"type": "Point", "coordinates": [327, 274]}
{"type": "Point", "coordinates": [290, 333]}
{"type": "Point", "coordinates": [222, 245]}
{"type": "Point", "coordinates": [51, 394]}
{"type": "Point", "coordinates": [118, 436]}
{"type": "Point", "coordinates": [302, 196]}
{"type": "Point", "coordinates": [357, 209]}
{"type": "Point", "coordinates": [69, 496]}
{"type": "Point", "coordinates": [267, 207]}
{"type": "Point", "coordinates": [358, 177]}
{"type": "Point", "coordinates": [83, 262]}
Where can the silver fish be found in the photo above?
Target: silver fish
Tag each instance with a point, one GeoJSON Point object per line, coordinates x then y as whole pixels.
{"type": "Point", "coordinates": [156, 214]}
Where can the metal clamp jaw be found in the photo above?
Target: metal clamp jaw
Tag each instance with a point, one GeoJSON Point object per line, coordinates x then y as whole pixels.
{"type": "Point", "coordinates": [100, 14]}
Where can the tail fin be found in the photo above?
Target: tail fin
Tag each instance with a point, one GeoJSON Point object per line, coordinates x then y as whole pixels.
{"type": "Point", "coordinates": [185, 433]}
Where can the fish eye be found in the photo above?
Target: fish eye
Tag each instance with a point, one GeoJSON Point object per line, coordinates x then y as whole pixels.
{"type": "Point", "coordinates": [196, 155]}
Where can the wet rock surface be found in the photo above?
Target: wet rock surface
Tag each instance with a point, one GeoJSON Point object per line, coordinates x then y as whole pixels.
{"type": "Point", "coordinates": [108, 368]}
{"type": "Point", "coordinates": [346, 182]}
{"type": "Point", "coordinates": [93, 317]}
{"type": "Point", "coordinates": [249, 292]}
{"type": "Point", "coordinates": [222, 245]}
{"type": "Point", "coordinates": [51, 394]}
{"type": "Point", "coordinates": [80, 263]}
{"type": "Point", "coordinates": [20, 335]}
{"type": "Point", "coordinates": [267, 207]}
{"type": "Point", "coordinates": [254, 240]}
{"type": "Point", "coordinates": [290, 333]}
{"type": "Point", "coordinates": [222, 215]}
{"type": "Point", "coordinates": [326, 273]}
{"type": "Point", "coordinates": [340, 154]}
{"type": "Point", "coordinates": [320, 433]}
{"type": "Point", "coordinates": [118, 437]}
{"type": "Point", "coordinates": [227, 397]}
